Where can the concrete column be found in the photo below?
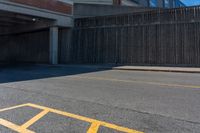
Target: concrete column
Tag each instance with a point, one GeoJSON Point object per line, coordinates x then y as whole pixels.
{"type": "Point", "coordinates": [53, 45]}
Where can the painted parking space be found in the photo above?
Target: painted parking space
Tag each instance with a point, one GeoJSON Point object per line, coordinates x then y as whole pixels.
{"type": "Point", "coordinates": [94, 127]}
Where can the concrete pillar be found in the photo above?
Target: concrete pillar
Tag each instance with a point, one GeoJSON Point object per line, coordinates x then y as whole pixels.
{"type": "Point", "coordinates": [53, 45]}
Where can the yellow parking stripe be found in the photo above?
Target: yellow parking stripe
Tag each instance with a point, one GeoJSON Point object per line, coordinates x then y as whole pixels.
{"type": "Point", "coordinates": [34, 119]}
{"type": "Point", "coordinates": [138, 81]}
{"type": "Point", "coordinates": [62, 113]}
{"type": "Point", "coordinates": [14, 127]}
{"type": "Point", "coordinates": [95, 124]}
{"type": "Point", "coordinates": [94, 128]}
{"type": "Point", "coordinates": [89, 120]}
{"type": "Point", "coordinates": [14, 107]}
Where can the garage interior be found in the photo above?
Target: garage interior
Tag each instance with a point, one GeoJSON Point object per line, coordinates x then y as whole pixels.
{"type": "Point", "coordinates": [23, 38]}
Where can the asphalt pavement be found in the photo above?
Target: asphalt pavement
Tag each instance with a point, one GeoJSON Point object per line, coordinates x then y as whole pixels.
{"type": "Point", "coordinates": [78, 99]}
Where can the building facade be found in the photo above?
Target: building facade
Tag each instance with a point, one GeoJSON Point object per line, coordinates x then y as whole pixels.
{"type": "Point", "coordinates": [165, 3]}
{"type": "Point", "coordinates": [39, 31]}
{"type": "Point", "coordinates": [144, 3]}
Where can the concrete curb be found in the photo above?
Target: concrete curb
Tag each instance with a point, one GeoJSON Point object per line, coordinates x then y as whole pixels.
{"type": "Point", "coordinates": [156, 70]}
{"type": "Point", "coordinates": [134, 68]}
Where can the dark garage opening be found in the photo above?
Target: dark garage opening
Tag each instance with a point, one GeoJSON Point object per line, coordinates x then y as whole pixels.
{"type": "Point", "coordinates": [29, 47]}
{"type": "Point", "coordinates": [23, 39]}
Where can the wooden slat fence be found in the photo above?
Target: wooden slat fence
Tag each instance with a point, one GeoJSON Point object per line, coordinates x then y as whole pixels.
{"type": "Point", "coordinates": [158, 37]}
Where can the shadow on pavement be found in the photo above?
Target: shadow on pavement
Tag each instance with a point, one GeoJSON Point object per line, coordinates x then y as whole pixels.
{"type": "Point", "coordinates": [14, 73]}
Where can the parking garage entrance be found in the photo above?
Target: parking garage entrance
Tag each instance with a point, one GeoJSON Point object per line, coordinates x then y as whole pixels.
{"type": "Point", "coordinates": [26, 39]}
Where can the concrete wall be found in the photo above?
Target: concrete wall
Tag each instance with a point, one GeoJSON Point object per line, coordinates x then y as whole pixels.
{"type": "Point", "coordinates": [88, 10]}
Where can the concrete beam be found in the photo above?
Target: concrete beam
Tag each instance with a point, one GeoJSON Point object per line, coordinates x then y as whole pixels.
{"type": "Point", "coordinates": [24, 28]}
{"type": "Point", "coordinates": [53, 45]}
{"type": "Point", "coordinates": [60, 19]}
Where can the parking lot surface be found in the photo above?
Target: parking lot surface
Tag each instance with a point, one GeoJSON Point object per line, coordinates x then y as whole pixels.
{"type": "Point", "coordinates": [78, 99]}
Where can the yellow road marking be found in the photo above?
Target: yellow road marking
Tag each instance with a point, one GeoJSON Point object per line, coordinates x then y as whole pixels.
{"type": "Point", "coordinates": [138, 81]}
{"type": "Point", "coordinates": [14, 127]}
{"type": "Point", "coordinates": [94, 128]}
{"type": "Point", "coordinates": [95, 124]}
{"type": "Point", "coordinates": [35, 119]}
{"type": "Point", "coordinates": [14, 107]}
{"type": "Point", "coordinates": [82, 118]}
